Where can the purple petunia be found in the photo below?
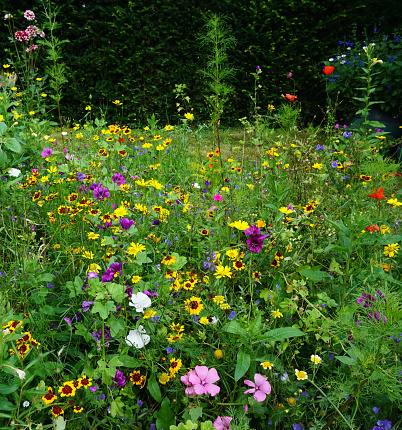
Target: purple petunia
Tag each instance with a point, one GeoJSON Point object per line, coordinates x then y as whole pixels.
{"type": "Point", "coordinates": [86, 306]}
{"type": "Point", "coordinates": [101, 193]}
{"type": "Point", "coordinates": [126, 223]}
{"type": "Point", "coordinates": [118, 179]}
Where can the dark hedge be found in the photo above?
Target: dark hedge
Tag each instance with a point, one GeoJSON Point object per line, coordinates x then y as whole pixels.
{"type": "Point", "coordinates": [136, 51]}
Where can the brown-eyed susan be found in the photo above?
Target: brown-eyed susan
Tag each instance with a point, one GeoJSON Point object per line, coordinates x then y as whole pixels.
{"type": "Point", "coordinates": [278, 255]}
{"type": "Point", "coordinates": [175, 366]}
{"type": "Point", "coordinates": [50, 397]}
{"type": "Point", "coordinates": [57, 410]}
{"type": "Point", "coordinates": [67, 390]}
{"type": "Point", "coordinates": [204, 232]}
{"type": "Point", "coordinates": [238, 265]}
{"type": "Point", "coordinates": [23, 350]}
{"type": "Point", "coordinates": [78, 409]}
{"type": "Point", "coordinates": [257, 275]}
{"type": "Point", "coordinates": [193, 305]}
{"type": "Point", "coordinates": [188, 285]}
{"type": "Point", "coordinates": [136, 378]}
{"type": "Point", "coordinates": [308, 208]}
{"type": "Point", "coordinates": [275, 263]}
{"type": "Point", "coordinates": [85, 382]}
{"type": "Point", "coordinates": [36, 196]}
{"type": "Point", "coordinates": [169, 260]}
{"type": "Point", "coordinates": [103, 153]}
{"type": "Point", "coordinates": [174, 337]}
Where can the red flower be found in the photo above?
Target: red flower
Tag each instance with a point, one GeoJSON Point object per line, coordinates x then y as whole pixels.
{"type": "Point", "coordinates": [328, 69]}
{"type": "Point", "coordinates": [373, 228]}
{"type": "Point", "coordinates": [377, 195]}
{"type": "Point", "coordinates": [395, 174]}
{"type": "Point", "coordinates": [290, 97]}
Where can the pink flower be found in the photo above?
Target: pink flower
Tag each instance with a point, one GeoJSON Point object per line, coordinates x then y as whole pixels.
{"type": "Point", "coordinates": [222, 423]}
{"type": "Point", "coordinates": [7, 16]}
{"type": "Point", "coordinates": [29, 15]}
{"type": "Point", "coordinates": [47, 152]}
{"type": "Point", "coordinates": [289, 75]}
{"type": "Point", "coordinates": [190, 389]}
{"type": "Point", "coordinates": [22, 36]}
{"type": "Point", "coordinates": [218, 198]}
{"type": "Point", "coordinates": [202, 380]}
{"type": "Point", "coordinates": [261, 387]}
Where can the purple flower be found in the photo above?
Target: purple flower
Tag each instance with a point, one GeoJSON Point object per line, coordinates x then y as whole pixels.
{"type": "Point", "coordinates": [92, 275]}
{"type": "Point", "coordinates": [80, 176]}
{"type": "Point", "coordinates": [93, 388]}
{"type": "Point", "coordinates": [86, 306]}
{"type": "Point", "coordinates": [118, 179]}
{"type": "Point", "coordinates": [258, 68]}
{"type": "Point", "coordinates": [101, 193]}
{"type": "Point", "coordinates": [108, 275]}
{"type": "Point", "coordinates": [232, 316]}
{"type": "Point", "coordinates": [376, 410]}
{"type": "Point", "coordinates": [47, 152]}
{"type": "Point", "coordinates": [367, 299]}
{"type": "Point", "coordinates": [284, 376]}
{"type": "Point", "coordinates": [378, 317]}
{"type": "Point", "coordinates": [119, 379]}
{"type": "Point", "coordinates": [129, 291]}
{"type": "Point", "coordinates": [334, 164]}
{"type": "Point", "coordinates": [383, 425]}
{"type": "Point", "coordinates": [255, 242]}
{"type": "Point", "coordinates": [126, 223]}
{"type": "Point", "coordinates": [68, 320]}
{"type": "Point", "coordinates": [253, 230]}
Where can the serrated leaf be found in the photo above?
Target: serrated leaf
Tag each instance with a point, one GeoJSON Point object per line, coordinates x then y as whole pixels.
{"type": "Point", "coordinates": [242, 363]}
{"type": "Point", "coordinates": [116, 407]}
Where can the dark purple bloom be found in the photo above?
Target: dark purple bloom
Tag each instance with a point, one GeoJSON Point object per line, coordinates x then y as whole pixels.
{"type": "Point", "coordinates": [383, 425]}
{"type": "Point", "coordinates": [101, 193]}
{"type": "Point", "coordinates": [129, 291]}
{"type": "Point", "coordinates": [253, 230]}
{"type": "Point", "coordinates": [86, 306]}
{"type": "Point", "coordinates": [378, 317]}
{"type": "Point", "coordinates": [126, 223]}
{"type": "Point", "coordinates": [119, 379]}
{"type": "Point", "coordinates": [95, 185]}
{"type": "Point", "coordinates": [156, 222]}
{"type": "Point", "coordinates": [108, 275]}
{"type": "Point", "coordinates": [47, 152]}
{"type": "Point", "coordinates": [255, 242]}
{"type": "Point", "coordinates": [118, 179]}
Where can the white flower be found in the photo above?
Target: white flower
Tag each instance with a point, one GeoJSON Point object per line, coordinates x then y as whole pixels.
{"type": "Point", "coordinates": [14, 172]}
{"type": "Point", "coordinates": [213, 320]}
{"type": "Point", "coordinates": [21, 374]}
{"type": "Point", "coordinates": [195, 185]}
{"type": "Point", "coordinates": [138, 338]}
{"type": "Point", "coordinates": [26, 404]}
{"type": "Point", "coordinates": [316, 359]}
{"type": "Point", "coordinates": [331, 59]}
{"type": "Point", "coordinates": [64, 133]}
{"type": "Point", "coordinates": [140, 301]}
{"type": "Point", "coordinates": [34, 134]}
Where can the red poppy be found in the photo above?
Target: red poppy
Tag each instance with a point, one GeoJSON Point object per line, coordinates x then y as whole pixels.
{"type": "Point", "coordinates": [328, 69]}
{"type": "Point", "coordinates": [377, 195]}
{"type": "Point", "coordinates": [290, 97]}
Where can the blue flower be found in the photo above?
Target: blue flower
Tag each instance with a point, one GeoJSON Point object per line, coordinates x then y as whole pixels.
{"type": "Point", "coordinates": [232, 316]}
{"type": "Point", "coordinates": [334, 164]}
{"type": "Point", "coordinates": [376, 410]}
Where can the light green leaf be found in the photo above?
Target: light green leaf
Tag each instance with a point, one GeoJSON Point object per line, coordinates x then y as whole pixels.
{"type": "Point", "coordinates": [314, 275]}
{"type": "Point", "coordinates": [13, 145]}
{"type": "Point", "coordinates": [154, 389]}
{"type": "Point", "coordinates": [242, 364]}
{"type": "Point", "coordinates": [279, 334]}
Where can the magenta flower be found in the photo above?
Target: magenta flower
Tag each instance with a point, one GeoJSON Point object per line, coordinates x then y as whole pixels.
{"type": "Point", "coordinates": [202, 380]}
{"type": "Point", "coordinates": [47, 152]}
{"type": "Point", "coordinates": [218, 198]}
{"type": "Point", "coordinates": [255, 242]}
{"type": "Point", "coordinates": [261, 387]}
{"type": "Point", "coordinates": [222, 423]}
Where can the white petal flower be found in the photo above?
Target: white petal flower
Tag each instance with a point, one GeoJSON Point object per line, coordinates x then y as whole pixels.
{"type": "Point", "coordinates": [140, 301]}
{"type": "Point", "coordinates": [21, 374]}
{"type": "Point", "coordinates": [14, 172]}
{"type": "Point", "coordinates": [196, 185]}
{"type": "Point", "coordinates": [26, 404]}
{"type": "Point", "coordinates": [138, 338]}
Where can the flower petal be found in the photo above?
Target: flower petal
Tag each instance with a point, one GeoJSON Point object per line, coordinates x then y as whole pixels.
{"type": "Point", "coordinates": [259, 396]}
{"type": "Point", "coordinates": [212, 389]}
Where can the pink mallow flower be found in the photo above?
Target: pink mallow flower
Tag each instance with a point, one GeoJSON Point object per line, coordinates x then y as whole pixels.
{"type": "Point", "coordinates": [201, 381]}
{"type": "Point", "coordinates": [218, 198]}
{"type": "Point", "coordinates": [47, 152]}
{"type": "Point", "coordinates": [222, 423]}
{"type": "Point", "coordinates": [261, 387]}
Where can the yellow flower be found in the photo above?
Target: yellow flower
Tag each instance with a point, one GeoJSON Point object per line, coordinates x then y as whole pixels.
{"type": "Point", "coordinates": [300, 375]}
{"type": "Point", "coordinates": [149, 314]}
{"type": "Point", "coordinates": [120, 212]}
{"type": "Point", "coordinates": [267, 365]}
{"type": "Point", "coordinates": [175, 366]}
{"type": "Point", "coordinates": [1, 118]}
{"type": "Point", "coordinates": [94, 268]}
{"type": "Point", "coordinates": [6, 66]}
{"type": "Point", "coordinates": [117, 102]}
{"type": "Point", "coordinates": [14, 89]}
{"type": "Point", "coordinates": [394, 202]}
{"type": "Point", "coordinates": [31, 112]}
{"type": "Point", "coordinates": [136, 279]}
{"type": "Point", "coordinates": [164, 378]}
{"type": "Point", "coordinates": [93, 236]}
{"type": "Point", "coordinates": [218, 353]}
{"type": "Point", "coordinates": [88, 108]}
{"type": "Point", "coordinates": [277, 314]}
{"type": "Point", "coordinates": [189, 116]}
{"type": "Point", "coordinates": [240, 225]}
{"type": "Point", "coordinates": [193, 305]}
{"type": "Point", "coordinates": [385, 229]}
{"type": "Point", "coordinates": [44, 95]}
{"type": "Point", "coordinates": [204, 321]}
{"type": "Point", "coordinates": [39, 79]}
{"type": "Point", "coordinates": [169, 260]}
{"type": "Point", "coordinates": [316, 359]}
{"type": "Point", "coordinates": [88, 255]}
{"type": "Point", "coordinates": [391, 250]}
{"type": "Point", "coordinates": [317, 166]}
{"type": "Point", "coordinates": [79, 135]}
{"type": "Point", "coordinates": [222, 271]}
{"type": "Point", "coordinates": [232, 253]}
{"type": "Point", "coordinates": [218, 299]}
{"type": "Point", "coordinates": [285, 210]}
{"type": "Point", "coordinates": [169, 128]}
{"type": "Point", "coordinates": [260, 223]}
{"type": "Point", "coordinates": [135, 248]}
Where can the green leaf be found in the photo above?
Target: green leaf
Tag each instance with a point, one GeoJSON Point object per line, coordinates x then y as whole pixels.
{"type": "Point", "coordinates": [116, 407]}
{"type": "Point", "coordinates": [376, 124]}
{"type": "Point", "coordinates": [3, 128]}
{"type": "Point", "coordinates": [5, 405]}
{"type": "Point", "coordinates": [165, 415]}
{"type": "Point", "coordinates": [13, 145]}
{"type": "Point", "coordinates": [346, 360]}
{"type": "Point", "coordinates": [340, 226]}
{"type": "Point", "coordinates": [242, 364]}
{"type": "Point", "coordinates": [116, 326]}
{"type": "Point", "coordinates": [314, 275]}
{"type": "Point", "coordinates": [179, 264]}
{"type": "Point", "coordinates": [117, 292]}
{"type": "Point", "coordinates": [154, 389]}
{"type": "Point", "coordinates": [7, 389]}
{"type": "Point", "coordinates": [128, 361]}
{"type": "Point", "coordinates": [3, 157]}
{"type": "Point", "coordinates": [234, 327]}
{"type": "Point", "coordinates": [336, 248]}
{"type": "Point", "coordinates": [103, 310]}
{"type": "Point", "coordinates": [279, 334]}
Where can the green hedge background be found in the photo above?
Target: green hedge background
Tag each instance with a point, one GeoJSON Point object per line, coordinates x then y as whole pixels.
{"type": "Point", "coordinates": [136, 51]}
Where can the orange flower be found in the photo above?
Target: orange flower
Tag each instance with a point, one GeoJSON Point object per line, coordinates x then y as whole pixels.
{"type": "Point", "coordinates": [290, 97]}
{"type": "Point", "coordinates": [373, 228]}
{"type": "Point", "coordinates": [377, 195]}
{"type": "Point", "coordinates": [328, 70]}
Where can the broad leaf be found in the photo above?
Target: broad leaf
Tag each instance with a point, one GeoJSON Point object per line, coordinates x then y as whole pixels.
{"type": "Point", "coordinates": [242, 364]}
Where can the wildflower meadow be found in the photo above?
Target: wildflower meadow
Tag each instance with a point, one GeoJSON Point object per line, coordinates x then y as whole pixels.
{"type": "Point", "coordinates": [183, 275]}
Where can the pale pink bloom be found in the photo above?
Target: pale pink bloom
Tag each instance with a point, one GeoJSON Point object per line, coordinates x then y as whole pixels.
{"type": "Point", "coordinates": [190, 389]}
{"type": "Point", "coordinates": [29, 15]}
{"type": "Point", "coordinates": [203, 380]}
{"type": "Point", "coordinates": [261, 387]}
{"type": "Point", "coordinates": [222, 423]}
{"type": "Point", "coordinates": [217, 197]}
{"type": "Point", "coordinates": [289, 75]}
{"type": "Point", "coordinates": [7, 16]}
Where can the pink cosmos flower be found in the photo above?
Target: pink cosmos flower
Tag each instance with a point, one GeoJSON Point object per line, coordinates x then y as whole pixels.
{"type": "Point", "coordinates": [202, 381]}
{"type": "Point", "coordinates": [222, 423]}
{"type": "Point", "coordinates": [218, 198]}
{"type": "Point", "coordinates": [261, 387]}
